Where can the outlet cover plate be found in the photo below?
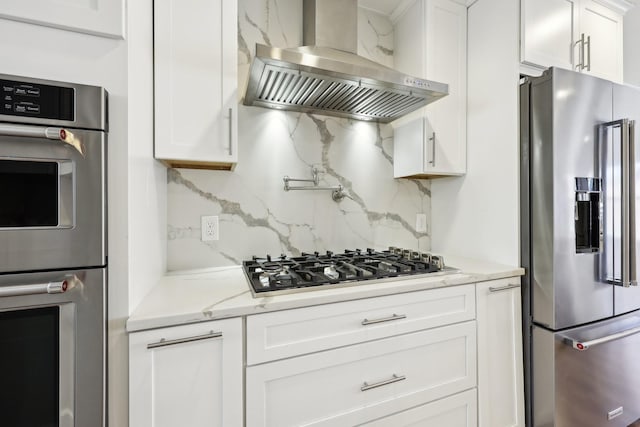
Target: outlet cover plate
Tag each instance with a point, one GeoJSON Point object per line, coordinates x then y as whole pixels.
{"type": "Point", "coordinates": [421, 223]}
{"type": "Point", "coordinates": [210, 228]}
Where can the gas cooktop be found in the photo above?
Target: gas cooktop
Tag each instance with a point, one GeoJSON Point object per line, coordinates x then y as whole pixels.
{"type": "Point", "coordinates": [280, 275]}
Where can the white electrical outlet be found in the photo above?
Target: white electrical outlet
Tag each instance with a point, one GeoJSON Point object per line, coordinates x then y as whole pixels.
{"type": "Point", "coordinates": [421, 223]}
{"type": "Point", "coordinates": [209, 228]}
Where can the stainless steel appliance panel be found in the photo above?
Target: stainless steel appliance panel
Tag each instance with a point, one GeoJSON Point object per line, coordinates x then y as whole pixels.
{"type": "Point", "coordinates": [80, 238]}
{"type": "Point", "coordinates": [566, 108]}
{"type": "Point", "coordinates": [91, 99]}
{"type": "Point", "coordinates": [593, 387]}
{"type": "Point", "coordinates": [626, 104]}
{"type": "Point", "coordinates": [82, 335]}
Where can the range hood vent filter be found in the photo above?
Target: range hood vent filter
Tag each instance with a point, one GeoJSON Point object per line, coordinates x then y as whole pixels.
{"type": "Point", "coordinates": [284, 88]}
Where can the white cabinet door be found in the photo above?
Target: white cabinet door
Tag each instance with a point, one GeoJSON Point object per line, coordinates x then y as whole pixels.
{"type": "Point", "coordinates": [446, 59]}
{"type": "Point", "coordinates": [195, 63]}
{"type": "Point", "coordinates": [548, 32]}
{"type": "Point", "coordinates": [580, 35]}
{"type": "Point", "coordinates": [500, 363]}
{"type": "Point", "coordinates": [359, 383]}
{"type": "Point", "coordinates": [186, 375]}
{"type": "Point", "coordinates": [459, 410]}
{"type": "Point", "coordinates": [98, 17]}
{"type": "Point", "coordinates": [604, 53]}
{"type": "Point", "coordinates": [431, 42]}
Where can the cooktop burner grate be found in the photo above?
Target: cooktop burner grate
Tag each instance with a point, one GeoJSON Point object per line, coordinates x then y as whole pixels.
{"type": "Point", "coordinates": [284, 274]}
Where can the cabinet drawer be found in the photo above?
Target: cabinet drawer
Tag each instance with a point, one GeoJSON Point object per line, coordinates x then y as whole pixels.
{"type": "Point", "coordinates": [459, 410]}
{"type": "Point", "coordinates": [288, 333]}
{"type": "Point", "coordinates": [360, 383]}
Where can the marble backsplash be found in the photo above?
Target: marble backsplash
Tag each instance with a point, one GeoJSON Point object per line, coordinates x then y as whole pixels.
{"type": "Point", "coordinates": [256, 215]}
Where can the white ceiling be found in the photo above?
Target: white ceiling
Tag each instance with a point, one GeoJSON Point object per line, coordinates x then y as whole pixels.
{"type": "Point", "coordinates": [384, 7]}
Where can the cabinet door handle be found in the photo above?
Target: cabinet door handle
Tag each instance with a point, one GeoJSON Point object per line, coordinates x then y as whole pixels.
{"type": "Point", "coordinates": [433, 149]}
{"type": "Point", "coordinates": [580, 66]}
{"type": "Point", "coordinates": [502, 288]}
{"type": "Point", "coordinates": [164, 342]}
{"type": "Point", "coordinates": [588, 43]}
{"type": "Point", "coordinates": [394, 379]}
{"type": "Point", "coordinates": [391, 318]}
{"type": "Point", "coordinates": [230, 131]}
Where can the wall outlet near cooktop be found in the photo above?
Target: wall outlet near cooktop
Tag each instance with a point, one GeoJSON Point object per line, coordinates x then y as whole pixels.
{"type": "Point", "coordinates": [210, 228]}
{"type": "Point", "coordinates": [421, 223]}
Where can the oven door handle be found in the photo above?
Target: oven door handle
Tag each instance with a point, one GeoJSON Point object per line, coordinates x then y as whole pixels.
{"type": "Point", "coordinates": [53, 133]}
{"type": "Point", "coordinates": [32, 131]}
{"type": "Point", "coordinates": [35, 289]}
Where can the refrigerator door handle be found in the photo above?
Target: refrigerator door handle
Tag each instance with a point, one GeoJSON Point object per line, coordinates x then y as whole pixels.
{"type": "Point", "coordinates": [627, 223]}
{"type": "Point", "coordinates": [626, 203]}
{"type": "Point", "coordinates": [583, 345]}
{"type": "Point", "coordinates": [633, 278]}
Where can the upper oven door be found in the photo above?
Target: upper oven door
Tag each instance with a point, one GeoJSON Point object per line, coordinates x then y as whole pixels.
{"type": "Point", "coordinates": [52, 198]}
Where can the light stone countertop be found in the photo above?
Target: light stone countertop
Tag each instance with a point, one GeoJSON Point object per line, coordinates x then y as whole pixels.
{"type": "Point", "coordinates": [191, 296]}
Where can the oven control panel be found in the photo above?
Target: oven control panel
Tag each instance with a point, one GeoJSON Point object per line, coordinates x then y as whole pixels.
{"type": "Point", "coordinates": [28, 99]}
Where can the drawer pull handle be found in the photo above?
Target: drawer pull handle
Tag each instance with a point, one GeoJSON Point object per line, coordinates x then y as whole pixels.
{"type": "Point", "coordinates": [164, 342]}
{"type": "Point", "coordinates": [394, 379]}
{"type": "Point", "coordinates": [502, 288]}
{"type": "Point", "coordinates": [391, 318]}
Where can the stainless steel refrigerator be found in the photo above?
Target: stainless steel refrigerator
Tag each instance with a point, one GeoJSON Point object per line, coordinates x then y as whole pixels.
{"type": "Point", "coordinates": [580, 249]}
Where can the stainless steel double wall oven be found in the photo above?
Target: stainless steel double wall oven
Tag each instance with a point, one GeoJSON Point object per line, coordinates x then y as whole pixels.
{"type": "Point", "coordinates": [53, 253]}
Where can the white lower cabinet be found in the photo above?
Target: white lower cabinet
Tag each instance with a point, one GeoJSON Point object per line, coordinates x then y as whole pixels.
{"type": "Point", "coordinates": [500, 366]}
{"type": "Point", "coordinates": [187, 375]}
{"type": "Point", "coordinates": [459, 410]}
{"type": "Point", "coordinates": [360, 383]}
{"type": "Point", "coordinates": [449, 357]}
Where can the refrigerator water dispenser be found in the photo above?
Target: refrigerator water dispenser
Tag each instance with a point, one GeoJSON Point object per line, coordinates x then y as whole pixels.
{"type": "Point", "coordinates": [588, 215]}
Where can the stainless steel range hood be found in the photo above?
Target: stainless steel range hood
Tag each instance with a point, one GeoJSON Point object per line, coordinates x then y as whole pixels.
{"type": "Point", "coordinates": [327, 77]}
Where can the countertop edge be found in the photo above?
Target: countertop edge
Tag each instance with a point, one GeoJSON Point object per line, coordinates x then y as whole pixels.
{"type": "Point", "coordinates": [241, 303]}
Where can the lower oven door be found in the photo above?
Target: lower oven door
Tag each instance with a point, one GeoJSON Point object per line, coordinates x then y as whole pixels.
{"type": "Point", "coordinates": [587, 376]}
{"type": "Point", "coordinates": [52, 341]}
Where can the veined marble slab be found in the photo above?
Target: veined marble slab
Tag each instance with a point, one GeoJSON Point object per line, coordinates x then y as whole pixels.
{"type": "Point", "coordinates": [217, 293]}
{"type": "Point", "coordinates": [256, 215]}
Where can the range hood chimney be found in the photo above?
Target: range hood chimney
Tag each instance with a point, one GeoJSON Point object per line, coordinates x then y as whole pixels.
{"type": "Point", "coordinates": [326, 76]}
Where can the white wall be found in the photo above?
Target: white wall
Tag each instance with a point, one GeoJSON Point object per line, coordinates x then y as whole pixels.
{"type": "Point", "coordinates": [136, 184]}
{"type": "Point", "coordinates": [147, 177]}
{"type": "Point", "coordinates": [632, 47]}
{"type": "Point", "coordinates": [477, 215]}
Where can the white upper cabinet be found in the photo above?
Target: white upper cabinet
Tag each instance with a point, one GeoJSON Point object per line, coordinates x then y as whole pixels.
{"type": "Point", "coordinates": [431, 42]}
{"type": "Point", "coordinates": [603, 27]}
{"type": "Point", "coordinates": [581, 35]}
{"type": "Point", "coordinates": [97, 17]}
{"type": "Point", "coordinates": [548, 33]}
{"type": "Point", "coordinates": [195, 47]}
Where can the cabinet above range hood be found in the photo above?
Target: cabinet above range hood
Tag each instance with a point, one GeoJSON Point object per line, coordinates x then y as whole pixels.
{"type": "Point", "coordinates": [327, 77]}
